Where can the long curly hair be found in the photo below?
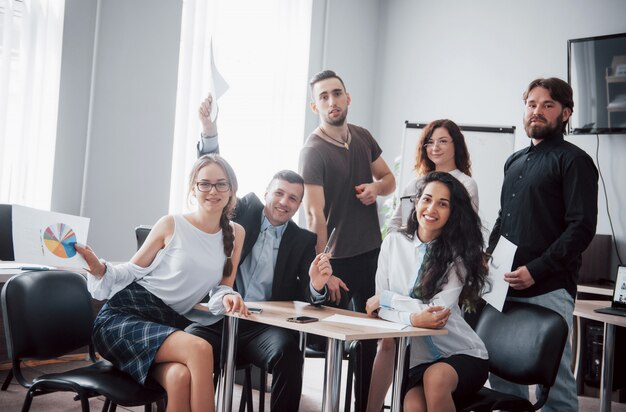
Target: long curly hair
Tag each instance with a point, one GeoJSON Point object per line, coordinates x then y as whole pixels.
{"type": "Point", "coordinates": [462, 160]}
{"type": "Point", "coordinates": [227, 229]}
{"type": "Point", "coordinates": [461, 240]}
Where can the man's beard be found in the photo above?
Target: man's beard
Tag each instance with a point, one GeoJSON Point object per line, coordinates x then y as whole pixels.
{"type": "Point", "coordinates": [546, 131]}
{"type": "Point", "coordinates": [339, 121]}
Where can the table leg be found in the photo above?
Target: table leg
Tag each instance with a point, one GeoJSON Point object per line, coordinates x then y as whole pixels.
{"type": "Point", "coordinates": [227, 372]}
{"type": "Point", "coordinates": [332, 375]}
{"type": "Point", "coordinates": [398, 373]}
{"type": "Point", "coordinates": [608, 352]}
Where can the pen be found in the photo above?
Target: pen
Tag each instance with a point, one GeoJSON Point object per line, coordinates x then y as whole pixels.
{"type": "Point", "coordinates": [329, 243]}
{"type": "Point", "coordinates": [33, 268]}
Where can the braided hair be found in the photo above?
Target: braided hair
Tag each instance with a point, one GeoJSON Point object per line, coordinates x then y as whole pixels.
{"type": "Point", "coordinates": [227, 229]}
{"type": "Point", "coordinates": [460, 240]}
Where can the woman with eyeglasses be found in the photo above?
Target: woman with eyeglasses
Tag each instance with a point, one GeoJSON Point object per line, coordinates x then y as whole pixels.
{"type": "Point", "coordinates": [424, 271]}
{"type": "Point", "coordinates": [151, 298]}
{"type": "Point", "coordinates": [441, 148]}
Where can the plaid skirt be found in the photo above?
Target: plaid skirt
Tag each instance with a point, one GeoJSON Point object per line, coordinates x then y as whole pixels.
{"type": "Point", "coordinates": [131, 327]}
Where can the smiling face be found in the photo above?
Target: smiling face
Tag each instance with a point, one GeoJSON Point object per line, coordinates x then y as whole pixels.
{"type": "Point", "coordinates": [544, 116]}
{"type": "Point", "coordinates": [433, 211]}
{"type": "Point", "coordinates": [213, 200]}
{"type": "Point", "coordinates": [331, 101]}
{"type": "Point", "coordinates": [440, 150]}
{"type": "Point", "coordinates": [282, 201]}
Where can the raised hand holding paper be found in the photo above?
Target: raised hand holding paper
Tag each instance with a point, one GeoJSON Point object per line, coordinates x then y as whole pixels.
{"type": "Point", "coordinates": [48, 238]}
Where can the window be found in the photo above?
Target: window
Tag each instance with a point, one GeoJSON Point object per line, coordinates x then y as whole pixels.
{"type": "Point", "coordinates": [262, 50]}
{"type": "Point", "coordinates": [31, 33]}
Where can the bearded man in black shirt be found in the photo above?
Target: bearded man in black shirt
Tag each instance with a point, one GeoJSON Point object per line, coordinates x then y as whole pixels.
{"type": "Point", "coordinates": [548, 208]}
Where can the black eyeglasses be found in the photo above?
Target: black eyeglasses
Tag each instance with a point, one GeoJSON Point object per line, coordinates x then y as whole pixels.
{"type": "Point", "coordinates": [219, 186]}
{"type": "Point", "coordinates": [408, 198]}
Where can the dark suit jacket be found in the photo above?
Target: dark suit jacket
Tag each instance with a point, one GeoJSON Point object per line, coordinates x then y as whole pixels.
{"type": "Point", "coordinates": [295, 253]}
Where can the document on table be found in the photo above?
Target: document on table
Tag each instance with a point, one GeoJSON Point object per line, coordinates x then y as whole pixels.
{"type": "Point", "coordinates": [500, 263]}
{"type": "Point", "coordinates": [375, 323]}
{"type": "Point", "coordinates": [48, 238]}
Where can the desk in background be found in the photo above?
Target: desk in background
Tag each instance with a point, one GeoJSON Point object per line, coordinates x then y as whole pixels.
{"type": "Point", "coordinates": [276, 314]}
{"type": "Point", "coordinates": [585, 309]}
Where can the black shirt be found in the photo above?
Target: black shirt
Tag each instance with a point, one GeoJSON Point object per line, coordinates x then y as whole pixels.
{"type": "Point", "coordinates": [549, 209]}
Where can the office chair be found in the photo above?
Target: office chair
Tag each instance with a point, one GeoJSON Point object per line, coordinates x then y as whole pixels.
{"type": "Point", "coordinates": [141, 233]}
{"type": "Point", "coordinates": [6, 232]}
{"type": "Point", "coordinates": [48, 314]}
{"type": "Point", "coordinates": [525, 345]}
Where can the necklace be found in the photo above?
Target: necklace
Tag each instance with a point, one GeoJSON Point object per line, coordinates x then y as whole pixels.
{"type": "Point", "coordinates": [341, 142]}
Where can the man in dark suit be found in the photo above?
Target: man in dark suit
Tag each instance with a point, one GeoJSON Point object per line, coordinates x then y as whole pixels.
{"type": "Point", "coordinates": [278, 262]}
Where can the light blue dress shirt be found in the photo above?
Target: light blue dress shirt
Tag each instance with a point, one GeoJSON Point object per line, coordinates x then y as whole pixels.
{"type": "Point", "coordinates": [257, 270]}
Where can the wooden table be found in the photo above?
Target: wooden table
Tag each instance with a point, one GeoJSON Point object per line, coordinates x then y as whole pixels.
{"type": "Point", "coordinates": [585, 309]}
{"type": "Point", "coordinates": [276, 314]}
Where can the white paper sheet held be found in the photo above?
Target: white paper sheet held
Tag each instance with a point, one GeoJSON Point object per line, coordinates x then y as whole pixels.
{"type": "Point", "coordinates": [501, 262]}
{"type": "Point", "coordinates": [218, 85]}
{"type": "Point", "coordinates": [48, 238]}
{"type": "Point", "coordinates": [374, 323]}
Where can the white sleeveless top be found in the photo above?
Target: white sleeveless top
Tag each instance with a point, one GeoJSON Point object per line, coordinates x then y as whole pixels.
{"type": "Point", "coordinates": [189, 266]}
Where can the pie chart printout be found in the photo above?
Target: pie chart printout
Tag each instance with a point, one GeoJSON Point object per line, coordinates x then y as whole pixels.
{"type": "Point", "coordinates": [59, 238]}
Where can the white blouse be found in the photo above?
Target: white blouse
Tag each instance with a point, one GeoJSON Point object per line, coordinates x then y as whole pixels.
{"type": "Point", "coordinates": [398, 264]}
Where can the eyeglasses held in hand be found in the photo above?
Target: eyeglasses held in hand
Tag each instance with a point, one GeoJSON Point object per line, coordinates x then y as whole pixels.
{"type": "Point", "coordinates": [441, 143]}
{"type": "Point", "coordinates": [219, 186]}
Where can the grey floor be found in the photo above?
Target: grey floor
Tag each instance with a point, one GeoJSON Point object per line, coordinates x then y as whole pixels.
{"type": "Point", "coordinates": [12, 399]}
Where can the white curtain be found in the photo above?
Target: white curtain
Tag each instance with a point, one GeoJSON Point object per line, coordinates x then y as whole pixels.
{"type": "Point", "coordinates": [30, 63]}
{"type": "Point", "coordinates": [262, 50]}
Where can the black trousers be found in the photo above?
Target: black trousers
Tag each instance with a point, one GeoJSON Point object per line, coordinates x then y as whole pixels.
{"type": "Point", "coordinates": [274, 349]}
{"type": "Point", "coordinates": [359, 274]}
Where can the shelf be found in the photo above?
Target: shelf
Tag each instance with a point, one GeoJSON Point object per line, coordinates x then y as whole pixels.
{"type": "Point", "coordinates": [595, 289]}
{"type": "Point", "coordinates": [615, 79]}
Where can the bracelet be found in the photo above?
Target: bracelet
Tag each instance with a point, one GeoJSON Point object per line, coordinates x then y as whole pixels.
{"type": "Point", "coordinates": [106, 267]}
{"type": "Point", "coordinates": [203, 136]}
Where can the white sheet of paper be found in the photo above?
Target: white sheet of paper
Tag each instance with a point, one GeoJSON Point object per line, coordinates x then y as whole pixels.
{"type": "Point", "coordinates": [47, 238]}
{"type": "Point", "coordinates": [375, 323]}
{"type": "Point", "coordinates": [501, 262]}
{"type": "Point", "coordinates": [218, 86]}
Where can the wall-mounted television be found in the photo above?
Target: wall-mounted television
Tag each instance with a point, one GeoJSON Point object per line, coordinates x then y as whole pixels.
{"type": "Point", "coordinates": [596, 70]}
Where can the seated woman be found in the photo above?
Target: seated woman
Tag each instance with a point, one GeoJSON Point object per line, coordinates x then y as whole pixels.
{"type": "Point", "coordinates": [184, 258]}
{"type": "Point", "coordinates": [441, 147]}
{"type": "Point", "coordinates": [424, 272]}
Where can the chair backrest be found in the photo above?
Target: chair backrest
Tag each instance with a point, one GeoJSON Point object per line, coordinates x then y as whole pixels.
{"type": "Point", "coordinates": [46, 314]}
{"type": "Point", "coordinates": [6, 233]}
{"type": "Point", "coordinates": [141, 232]}
{"type": "Point", "coordinates": [525, 342]}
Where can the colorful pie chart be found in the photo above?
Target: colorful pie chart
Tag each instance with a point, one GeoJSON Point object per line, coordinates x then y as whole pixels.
{"type": "Point", "coordinates": [59, 238]}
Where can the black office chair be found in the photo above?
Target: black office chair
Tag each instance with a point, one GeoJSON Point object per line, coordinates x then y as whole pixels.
{"type": "Point", "coordinates": [48, 314]}
{"type": "Point", "coordinates": [525, 345]}
{"type": "Point", "coordinates": [141, 233]}
{"type": "Point", "coordinates": [6, 232]}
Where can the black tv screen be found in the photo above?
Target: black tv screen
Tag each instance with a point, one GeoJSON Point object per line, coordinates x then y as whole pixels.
{"type": "Point", "coordinates": [597, 73]}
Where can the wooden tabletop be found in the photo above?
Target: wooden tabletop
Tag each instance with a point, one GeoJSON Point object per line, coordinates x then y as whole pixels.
{"type": "Point", "coordinates": [585, 309]}
{"type": "Point", "coordinates": [276, 314]}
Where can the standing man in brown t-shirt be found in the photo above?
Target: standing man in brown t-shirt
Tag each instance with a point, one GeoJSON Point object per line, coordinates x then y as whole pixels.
{"type": "Point", "coordinates": [344, 174]}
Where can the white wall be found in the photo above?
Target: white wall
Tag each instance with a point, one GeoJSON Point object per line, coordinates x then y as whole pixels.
{"type": "Point", "coordinates": [126, 144]}
{"type": "Point", "coordinates": [471, 61]}
{"type": "Point", "coordinates": [401, 59]}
